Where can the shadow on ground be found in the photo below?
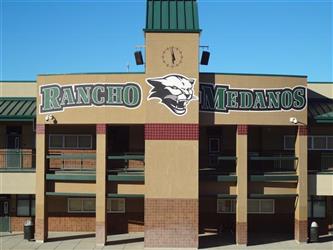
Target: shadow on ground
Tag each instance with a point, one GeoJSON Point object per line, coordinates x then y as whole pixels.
{"type": "Point", "coordinates": [266, 238]}
{"type": "Point", "coordinates": [71, 237]}
{"type": "Point", "coordinates": [216, 240]}
{"type": "Point", "coordinates": [124, 241]}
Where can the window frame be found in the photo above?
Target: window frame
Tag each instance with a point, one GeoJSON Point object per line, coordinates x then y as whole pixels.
{"type": "Point", "coordinates": [116, 212]}
{"type": "Point", "coordinates": [260, 209]}
{"type": "Point", "coordinates": [82, 199]}
{"type": "Point", "coordinates": [77, 141]}
{"type": "Point", "coordinates": [82, 211]}
{"type": "Point", "coordinates": [29, 198]}
{"type": "Point", "coordinates": [311, 138]}
{"type": "Point", "coordinates": [312, 199]}
{"type": "Point", "coordinates": [210, 139]}
{"type": "Point", "coordinates": [233, 206]}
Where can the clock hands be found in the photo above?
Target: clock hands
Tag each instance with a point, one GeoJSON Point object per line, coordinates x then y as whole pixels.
{"type": "Point", "coordinates": [173, 57]}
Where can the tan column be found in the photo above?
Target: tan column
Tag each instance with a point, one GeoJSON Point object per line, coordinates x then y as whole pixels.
{"type": "Point", "coordinates": [101, 215]}
{"type": "Point", "coordinates": [241, 170]}
{"type": "Point", "coordinates": [301, 206]}
{"type": "Point", "coordinates": [41, 225]}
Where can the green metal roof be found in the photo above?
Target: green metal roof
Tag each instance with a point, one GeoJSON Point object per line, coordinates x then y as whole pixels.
{"type": "Point", "coordinates": [17, 108]}
{"type": "Point", "coordinates": [172, 16]}
{"type": "Point", "coordinates": [320, 111]}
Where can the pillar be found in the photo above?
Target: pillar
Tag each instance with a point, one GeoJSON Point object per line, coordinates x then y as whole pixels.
{"type": "Point", "coordinates": [41, 219]}
{"type": "Point", "coordinates": [171, 180]}
{"type": "Point", "coordinates": [101, 181]}
{"type": "Point", "coordinates": [301, 206]}
{"type": "Point", "coordinates": [241, 170]}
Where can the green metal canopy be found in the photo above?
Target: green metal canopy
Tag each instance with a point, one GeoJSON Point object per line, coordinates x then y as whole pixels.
{"type": "Point", "coordinates": [320, 111]}
{"type": "Point", "coordinates": [17, 109]}
{"type": "Point", "coordinates": [172, 16]}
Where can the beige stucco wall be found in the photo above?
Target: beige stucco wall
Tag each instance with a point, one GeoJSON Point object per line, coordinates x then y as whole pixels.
{"type": "Point", "coordinates": [320, 184]}
{"type": "Point", "coordinates": [18, 89]}
{"type": "Point", "coordinates": [17, 183]}
{"type": "Point", "coordinates": [323, 89]}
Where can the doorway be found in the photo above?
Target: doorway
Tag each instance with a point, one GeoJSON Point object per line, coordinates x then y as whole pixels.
{"type": "Point", "coordinates": [13, 144]}
{"type": "Point", "coordinates": [4, 215]}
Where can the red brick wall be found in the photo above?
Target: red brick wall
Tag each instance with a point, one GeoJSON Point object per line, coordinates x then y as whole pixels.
{"type": "Point", "coordinates": [171, 223]}
{"type": "Point", "coordinates": [16, 223]}
{"type": "Point", "coordinates": [79, 223]}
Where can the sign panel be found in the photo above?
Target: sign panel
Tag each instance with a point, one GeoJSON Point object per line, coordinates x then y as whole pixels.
{"type": "Point", "coordinates": [223, 99]}
{"type": "Point", "coordinates": [56, 98]}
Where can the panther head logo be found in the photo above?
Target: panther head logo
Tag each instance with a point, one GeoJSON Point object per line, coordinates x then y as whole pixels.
{"type": "Point", "coordinates": [174, 91]}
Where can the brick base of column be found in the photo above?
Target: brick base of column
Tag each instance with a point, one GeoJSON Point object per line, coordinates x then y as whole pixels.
{"type": "Point", "coordinates": [241, 233]}
{"type": "Point", "coordinates": [171, 223]}
{"type": "Point", "coordinates": [100, 233]}
{"type": "Point", "coordinates": [41, 230]}
{"type": "Point", "coordinates": [301, 231]}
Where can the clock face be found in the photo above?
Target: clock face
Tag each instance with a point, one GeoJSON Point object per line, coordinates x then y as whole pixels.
{"type": "Point", "coordinates": [172, 57]}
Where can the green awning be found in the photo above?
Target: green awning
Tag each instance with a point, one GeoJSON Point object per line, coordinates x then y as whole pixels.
{"type": "Point", "coordinates": [172, 16]}
{"type": "Point", "coordinates": [17, 108]}
{"type": "Point", "coordinates": [320, 111]}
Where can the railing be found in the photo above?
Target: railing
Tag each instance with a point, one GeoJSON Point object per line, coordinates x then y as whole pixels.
{"type": "Point", "coordinates": [272, 163]}
{"type": "Point", "coordinates": [14, 159]}
{"type": "Point", "coordinates": [126, 163]}
{"type": "Point", "coordinates": [74, 162]}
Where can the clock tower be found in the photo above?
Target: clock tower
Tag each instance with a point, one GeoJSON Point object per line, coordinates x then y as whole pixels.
{"type": "Point", "coordinates": [172, 124]}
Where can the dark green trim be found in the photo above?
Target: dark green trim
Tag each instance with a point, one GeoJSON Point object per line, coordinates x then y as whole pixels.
{"type": "Point", "coordinates": [272, 158]}
{"type": "Point", "coordinates": [125, 195]}
{"type": "Point", "coordinates": [328, 121]}
{"type": "Point", "coordinates": [131, 177]}
{"type": "Point", "coordinates": [253, 74]}
{"type": "Point", "coordinates": [233, 196]}
{"type": "Point", "coordinates": [7, 98]}
{"type": "Point", "coordinates": [70, 194]}
{"type": "Point", "coordinates": [268, 178]}
{"type": "Point", "coordinates": [272, 196]}
{"type": "Point", "coordinates": [17, 170]}
{"type": "Point", "coordinates": [70, 177]}
{"type": "Point", "coordinates": [321, 173]}
{"type": "Point", "coordinates": [126, 157]}
{"type": "Point", "coordinates": [72, 156]}
{"type": "Point", "coordinates": [228, 178]}
{"type": "Point", "coordinates": [227, 158]}
{"type": "Point", "coordinates": [171, 31]}
{"type": "Point", "coordinates": [16, 120]}
{"type": "Point", "coordinates": [95, 73]}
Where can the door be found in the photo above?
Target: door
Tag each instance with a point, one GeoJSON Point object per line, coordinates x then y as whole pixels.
{"type": "Point", "coordinates": [4, 216]}
{"type": "Point", "coordinates": [13, 155]}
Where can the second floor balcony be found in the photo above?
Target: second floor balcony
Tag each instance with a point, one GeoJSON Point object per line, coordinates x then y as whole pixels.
{"type": "Point", "coordinates": [17, 160]}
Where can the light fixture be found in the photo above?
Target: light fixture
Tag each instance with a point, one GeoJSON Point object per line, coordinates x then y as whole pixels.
{"type": "Point", "coordinates": [293, 120]}
{"type": "Point", "coordinates": [138, 58]}
{"type": "Point", "coordinates": [50, 118]}
{"type": "Point", "coordinates": [204, 56]}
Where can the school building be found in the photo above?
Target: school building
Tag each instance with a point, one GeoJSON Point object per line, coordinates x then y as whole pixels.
{"type": "Point", "coordinates": [171, 152]}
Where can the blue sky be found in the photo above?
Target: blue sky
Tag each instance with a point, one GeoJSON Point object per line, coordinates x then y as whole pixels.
{"type": "Point", "coordinates": [269, 37]}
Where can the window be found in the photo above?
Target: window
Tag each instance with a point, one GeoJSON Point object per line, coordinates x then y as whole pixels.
{"type": "Point", "coordinates": [81, 205]}
{"type": "Point", "coordinates": [70, 141]}
{"type": "Point", "coordinates": [317, 207]}
{"type": "Point", "coordinates": [315, 142]}
{"type": "Point", "coordinates": [289, 142]}
{"type": "Point", "coordinates": [226, 206]}
{"type": "Point", "coordinates": [88, 205]}
{"type": "Point", "coordinates": [319, 142]}
{"type": "Point", "coordinates": [25, 205]}
{"type": "Point", "coordinates": [261, 206]}
{"type": "Point", "coordinates": [213, 145]}
{"type": "Point", "coordinates": [116, 205]}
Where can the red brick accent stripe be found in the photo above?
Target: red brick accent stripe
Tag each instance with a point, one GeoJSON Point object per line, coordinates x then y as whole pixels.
{"type": "Point", "coordinates": [303, 130]}
{"type": "Point", "coordinates": [242, 129]}
{"type": "Point", "coordinates": [101, 129]}
{"type": "Point", "coordinates": [171, 131]}
{"type": "Point", "coordinates": [241, 233]}
{"type": "Point", "coordinates": [40, 129]}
